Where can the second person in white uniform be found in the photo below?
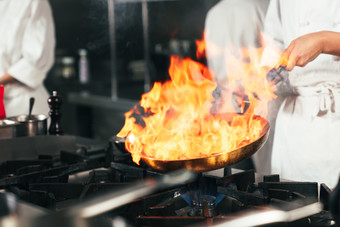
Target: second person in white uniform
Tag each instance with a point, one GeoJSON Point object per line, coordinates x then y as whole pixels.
{"type": "Point", "coordinates": [26, 54]}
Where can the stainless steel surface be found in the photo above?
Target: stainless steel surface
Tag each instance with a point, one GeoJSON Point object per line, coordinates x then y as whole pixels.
{"type": "Point", "coordinates": [21, 148]}
{"type": "Point", "coordinates": [270, 216]}
{"type": "Point", "coordinates": [29, 148]}
{"type": "Point", "coordinates": [30, 126]}
{"type": "Point", "coordinates": [8, 129]}
{"type": "Point", "coordinates": [8, 203]}
{"type": "Point", "coordinates": [13, 211]}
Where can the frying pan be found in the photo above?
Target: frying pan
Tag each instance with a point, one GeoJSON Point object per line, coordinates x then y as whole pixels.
{"type": "Point", "coordinates": [208, 163]}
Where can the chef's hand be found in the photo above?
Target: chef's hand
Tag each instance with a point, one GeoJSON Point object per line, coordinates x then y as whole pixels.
{"type": "Point", "coordinates": [303, 50]}
{"type": "Point", "coordinates": [6, 79]}
{"type": "Point", "coordinates": [306, 48]}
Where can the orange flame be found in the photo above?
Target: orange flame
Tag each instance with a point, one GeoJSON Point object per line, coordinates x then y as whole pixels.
{"type": "Point", "coordinates": [200, 53]}
{"type": "Point", "coordinates": [174, 121]}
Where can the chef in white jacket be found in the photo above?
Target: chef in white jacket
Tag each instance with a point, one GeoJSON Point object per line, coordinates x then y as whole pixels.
{"type": "Point", "coordinates": [307, 134]}
{"type": "Point", "coordinates": [27, 42]}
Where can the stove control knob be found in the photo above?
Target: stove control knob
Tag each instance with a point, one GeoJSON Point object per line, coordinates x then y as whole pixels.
{"type": "Point", "coordinates": [55, 103]}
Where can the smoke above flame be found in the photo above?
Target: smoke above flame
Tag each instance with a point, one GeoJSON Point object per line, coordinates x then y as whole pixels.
{"type": "Point", "coordinates": [183, 118]}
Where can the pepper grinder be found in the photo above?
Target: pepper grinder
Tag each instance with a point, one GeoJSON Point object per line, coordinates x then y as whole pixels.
{"type": "Point", "coordinates": [55, 103]}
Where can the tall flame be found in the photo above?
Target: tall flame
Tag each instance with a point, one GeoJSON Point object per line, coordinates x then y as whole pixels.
{"type": "Point", "coordinates": [174, 121]}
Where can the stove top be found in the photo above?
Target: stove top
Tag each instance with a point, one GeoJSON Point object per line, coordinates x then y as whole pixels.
{"type": "Point", "coordinates": [56, 182]}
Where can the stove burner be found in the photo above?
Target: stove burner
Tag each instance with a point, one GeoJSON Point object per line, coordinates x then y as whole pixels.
{"type": "Point", "coordinates": [204, 206]}
{"type": "Point", "coordinates": [206, 200]}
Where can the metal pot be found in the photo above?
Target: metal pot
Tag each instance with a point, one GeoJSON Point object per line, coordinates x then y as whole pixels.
{"type": "Point", "coordinates": [33, 125]}
{"type": "Point", "coordinates": [8, 128]}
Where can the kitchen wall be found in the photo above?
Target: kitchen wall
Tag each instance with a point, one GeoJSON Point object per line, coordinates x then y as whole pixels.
{"type": "Point", "coordinates": [84, 24]}
{"type": "Point", "coordinates": [80, 24]}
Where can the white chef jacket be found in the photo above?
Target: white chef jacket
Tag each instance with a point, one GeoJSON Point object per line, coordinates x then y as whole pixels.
{"type": "Point", "coordinates": [231, 25]}
{"type": "Point", "coordinates": [307, 139]}
{"type": "Point", "coordinates": [27, 42]}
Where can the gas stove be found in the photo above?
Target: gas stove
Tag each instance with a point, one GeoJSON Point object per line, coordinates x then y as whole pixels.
{"type": "Point", "coordinates": [68, 174]}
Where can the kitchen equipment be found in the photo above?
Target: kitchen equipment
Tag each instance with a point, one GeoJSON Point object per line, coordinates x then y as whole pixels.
{"type": "Point", "coordinates": [2, 106]}
{"type": "Point", "coordinates": [240, 102]}
{"type": "Point", "coordinates": [55, 102]}
{"type": "Point", "coordinates": [30, 126]}
{"type": "Point", "coordinates": [48, 174]}
{"type": "Point", "coordinates": [78, 214]}
{"type": "Point", "coordinates": [30, 147]}
{"type": "Point", "coordinates": [275, 215]}
{"type": "Point", "coordinates": [119, 142]}
{"type": "Point", "coordinates": [8, 128]}
{"type": "Point", "coordinates": [209, 163]}
{"type": "Point", "coordinates": [31, 104]}
{"type": "Point", "coordinates": [8, 203]}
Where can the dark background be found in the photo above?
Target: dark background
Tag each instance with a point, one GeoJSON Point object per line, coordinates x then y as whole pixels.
{"type": "Point", "coordinates": [85, 24]}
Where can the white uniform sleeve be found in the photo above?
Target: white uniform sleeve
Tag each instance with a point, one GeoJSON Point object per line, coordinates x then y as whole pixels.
{"type": "Point", "coordinates": [37, 47]}
{"type": "Point", "coordinates": [272, 35]}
